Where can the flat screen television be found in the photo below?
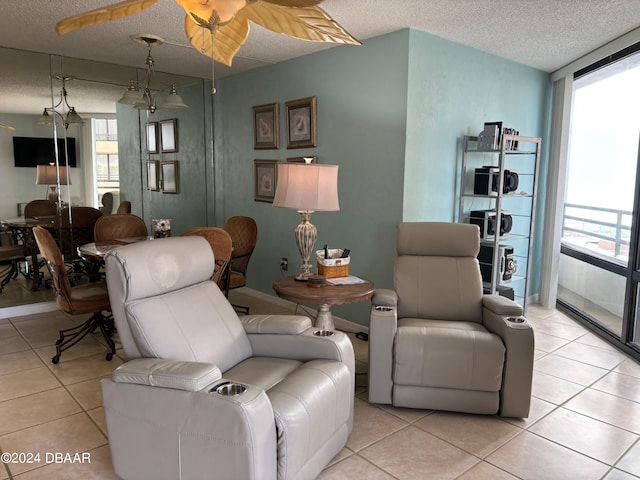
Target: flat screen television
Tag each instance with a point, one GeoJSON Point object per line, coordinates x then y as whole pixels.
{"type": "Point", "coordinates": [33, 151]}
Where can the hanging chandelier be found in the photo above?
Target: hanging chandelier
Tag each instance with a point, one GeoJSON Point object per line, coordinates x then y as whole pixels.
{"type": "Point", "coordinates": [61, 110]}
{"type": "Point", "coordinates": [139, 93]}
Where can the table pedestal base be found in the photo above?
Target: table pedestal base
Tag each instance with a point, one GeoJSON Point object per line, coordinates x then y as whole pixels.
{"type": "Point", "coordinates": [324, 319]}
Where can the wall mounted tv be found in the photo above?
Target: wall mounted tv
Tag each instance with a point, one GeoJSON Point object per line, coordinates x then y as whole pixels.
{"type": "Point", "coordinates": [33, 151]}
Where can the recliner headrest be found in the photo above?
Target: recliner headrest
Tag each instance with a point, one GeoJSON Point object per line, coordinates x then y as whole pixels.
{"type": "Point", "coordinates": [162, 265]}
{"type": "Point", "coordinates": [438, 239]}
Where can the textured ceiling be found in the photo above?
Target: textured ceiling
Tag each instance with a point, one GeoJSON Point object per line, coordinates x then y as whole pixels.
{"type": "Point", "coordinates": [544, 34]}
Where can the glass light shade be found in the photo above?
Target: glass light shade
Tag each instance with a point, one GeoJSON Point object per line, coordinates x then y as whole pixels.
{"type": "Point", "coordinates": [173, 100]}
{"type": "Point", "coordinates": [73, 118]}
{"type": "Point", "coordinates": [225, 9]}
{"type": "Point", "coordinates": [45, 118]}
{"type": "Point", "coordinates": [309, 187]}
{"type": "Point", "coordinates": [132, 95]}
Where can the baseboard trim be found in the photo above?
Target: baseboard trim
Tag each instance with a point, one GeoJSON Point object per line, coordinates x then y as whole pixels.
{"type": "Point", "coordinates": [341, 323]}
{"type": "Point", "coordinates": [31, 309]}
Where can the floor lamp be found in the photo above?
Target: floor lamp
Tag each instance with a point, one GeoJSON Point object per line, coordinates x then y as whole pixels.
{"type": "Point", "coordinates": [306, 188]}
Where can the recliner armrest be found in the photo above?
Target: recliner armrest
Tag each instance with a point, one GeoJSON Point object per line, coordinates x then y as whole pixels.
{"type": "Point", "coordinates": [276, 324]}
{"type": "Point", "coordinates": [501, 305]}
{"type": "Point", "coordinates": [385, 297]}
{"type": "Point", "coordinates": [156, 372]}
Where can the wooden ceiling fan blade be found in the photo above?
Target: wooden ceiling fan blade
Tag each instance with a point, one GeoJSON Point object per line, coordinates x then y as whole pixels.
{"type": "Point", "coordinates": [102, 15]}
{"type": "Point", "coordinates": [8, 127]}
{"type": "Point", "coordinates": [305, 23]}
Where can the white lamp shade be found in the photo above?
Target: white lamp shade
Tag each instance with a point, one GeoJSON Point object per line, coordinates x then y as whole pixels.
{"type": "Point", "coordinates": [310, 187]}
{"type": "Point", "coordinates": [46, 175]}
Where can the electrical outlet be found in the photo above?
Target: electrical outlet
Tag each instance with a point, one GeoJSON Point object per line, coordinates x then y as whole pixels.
{"type": "Point", "coordinates": [284, 264]}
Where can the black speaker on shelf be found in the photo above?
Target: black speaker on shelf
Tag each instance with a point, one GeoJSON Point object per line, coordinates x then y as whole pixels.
{"type": "Point", "coordinates": [486, 220]}
{"type": "Point", "coordinates": [507, 264]}
{"type": "Point", "coordinates": [486, 181]}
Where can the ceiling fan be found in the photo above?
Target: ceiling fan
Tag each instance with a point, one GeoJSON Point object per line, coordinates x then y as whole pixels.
{"type": "Point", "coordinates": [218, 28]}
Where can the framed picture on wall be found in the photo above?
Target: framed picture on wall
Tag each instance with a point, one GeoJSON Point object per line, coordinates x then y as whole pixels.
{"type": "Point", "coordinates": [169, 176]}
{"type": "Point", "coordinates": [169, 135]}
{"type": "Point", "coordinates": [301, 123]}
{"type": "Point", "coordinates": [266, 131]}
{"type": "Point", "coordinates": [265, 180]}
{"type": "Point", "coordinates": [152, 175]}
{"type": "Point", "coordinates": [152, 137]}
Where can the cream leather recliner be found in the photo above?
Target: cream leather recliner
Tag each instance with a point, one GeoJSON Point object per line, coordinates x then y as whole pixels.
{"type": "Point", "coordinates": [436, 341]}
{"type": "Point", "coordinates": [206, 394]}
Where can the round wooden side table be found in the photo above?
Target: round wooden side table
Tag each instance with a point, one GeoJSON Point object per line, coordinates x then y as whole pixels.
{"type": "Point", "coordinates": [298, 292]}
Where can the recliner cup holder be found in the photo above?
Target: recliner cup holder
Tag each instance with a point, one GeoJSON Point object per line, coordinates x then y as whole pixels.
{"type": "Point", "coordinates": [323, 333]}
{"type": "Point", "coordinates": [231, 389]}
{"type": "Point", "coordinates": [516, 319]}
{"type": "Point", "coordinates": [382, 308]}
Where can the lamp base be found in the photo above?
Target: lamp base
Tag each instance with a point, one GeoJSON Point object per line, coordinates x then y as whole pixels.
{"type": "Point", "coordinates": [53, 194]}
{"type": "Point", "coordinates": [306, 235]}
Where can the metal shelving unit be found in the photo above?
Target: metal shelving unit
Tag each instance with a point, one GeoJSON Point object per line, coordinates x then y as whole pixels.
{"type": "Point", "coordinates": [519, 206]}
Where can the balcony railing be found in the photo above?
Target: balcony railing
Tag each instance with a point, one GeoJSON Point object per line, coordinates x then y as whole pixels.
{"type": "Point", "coordinates": [605, 231]}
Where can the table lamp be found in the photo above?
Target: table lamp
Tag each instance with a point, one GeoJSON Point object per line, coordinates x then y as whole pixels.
{"type": "Point", "coordinates": [47, 175]}
{"type": "Point", "coordinates": [306, 188]}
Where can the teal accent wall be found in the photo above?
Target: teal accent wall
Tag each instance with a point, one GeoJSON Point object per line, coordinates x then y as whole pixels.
{"type": "Point", "coordinates": [390, 113]}
{"type": "Point", "coordinates": [361, 117]}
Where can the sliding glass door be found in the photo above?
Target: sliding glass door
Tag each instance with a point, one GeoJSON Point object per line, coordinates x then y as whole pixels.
{"type": "Point", "coordinates": [599, 271]}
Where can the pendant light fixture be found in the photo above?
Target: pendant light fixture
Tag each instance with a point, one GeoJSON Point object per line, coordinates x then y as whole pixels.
{"type": "Point", "coordinates": [138, 93]}
{"type": "Point", "coordinates": [62, 109]}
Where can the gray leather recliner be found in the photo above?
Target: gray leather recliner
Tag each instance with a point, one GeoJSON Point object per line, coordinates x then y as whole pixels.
{"type": "Point", "coordinates": [206, 394]}
{"type": "Point", "coordinates": [436, 341]}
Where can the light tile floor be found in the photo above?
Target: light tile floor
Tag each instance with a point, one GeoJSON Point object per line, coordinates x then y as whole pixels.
{"type": "Point", "coordinates": [584, 423]}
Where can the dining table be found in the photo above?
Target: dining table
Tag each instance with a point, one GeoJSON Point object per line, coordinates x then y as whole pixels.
{"type": "Point", "coordinates": [22, 228]}
{"type": "Point", "coordinates": [95, 252]}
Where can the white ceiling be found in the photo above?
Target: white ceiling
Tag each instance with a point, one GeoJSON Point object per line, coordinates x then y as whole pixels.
{"type": "Point", "coordinates": [544, 34]}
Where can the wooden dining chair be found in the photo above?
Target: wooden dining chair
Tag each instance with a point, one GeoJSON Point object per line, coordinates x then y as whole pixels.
{"type": "Point", "coordinates": [221, 245]}
{"type": "Point", "coordinates": [244, 236]}
{"type": "Point", "coordinates": [40, 208]}
{"type": "Point", "coordinates": [119, 225]}
{"type": "Point", "coordinates": [124, 207]}
{"type": "Point", "coordinates": [11, 253]}
{"type": "Point", "coordinates": [78, 300]}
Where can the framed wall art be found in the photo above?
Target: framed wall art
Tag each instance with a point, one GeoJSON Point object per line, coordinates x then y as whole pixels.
{"type": "Point", "coordinates": [265, 180]}
{"type": "Point", "coordinates": [301, 123]}
{"type": "Point", "coordinates": [266, 131]}
{"type": "Point", "coordinates": [152, 175]}
{"type": "Point", "coordinates": [152, 137]}
{"type": "Point", "coordinates": [169, 135]}
{"type": "Point", "coordinates": [169, 176]}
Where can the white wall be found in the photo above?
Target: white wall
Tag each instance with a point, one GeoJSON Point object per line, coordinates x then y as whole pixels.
{"type": "Point", "coordinates": [18, 184]}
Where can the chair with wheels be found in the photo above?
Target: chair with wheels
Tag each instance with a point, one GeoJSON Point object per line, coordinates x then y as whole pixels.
{"type": "Point", "coordinates": [436, 341]}
{"type": "Point", "coordinates": [107, 203]}
{"type": "Point", "coordinates": [124, 207]}
{"type": "Point", "coordinates": [40, 208]}
{"type": "Point", "coordinates": [244, 235]}
{"type": "Point", "coordinates": [87, 298]}
{"type": "Point", "coordinates": [11, 254]}
{"type": "Point", "coordinates": [119, 225]}
{"type": "Point", "coordinates": [221, 245]}
{"type": "Point", "coordinates": [206, 394]}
